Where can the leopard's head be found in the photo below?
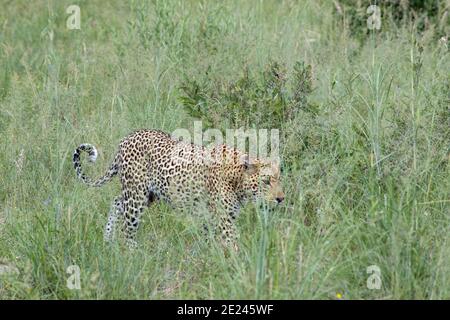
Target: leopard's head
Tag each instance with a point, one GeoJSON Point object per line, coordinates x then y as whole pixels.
{"type": "Point", "coordinates": [261, 180]}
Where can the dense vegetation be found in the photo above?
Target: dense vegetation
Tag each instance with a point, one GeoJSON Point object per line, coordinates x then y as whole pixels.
{"type": "Point", "coordinates": [364, 118]}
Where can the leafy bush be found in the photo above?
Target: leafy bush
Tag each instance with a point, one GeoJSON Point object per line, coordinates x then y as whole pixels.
{"type": "Point", "coordinates": [267, 99]}
{"type": "Point", "coordinates": [394, 13]}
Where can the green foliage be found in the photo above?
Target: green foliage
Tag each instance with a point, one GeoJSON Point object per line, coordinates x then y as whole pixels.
{"type": "Point", "coordinates": [421, 14]}
{"type": "Point", "coordinates": [269, 98]}
{"type": "Point", "coordinates": [365, 147]}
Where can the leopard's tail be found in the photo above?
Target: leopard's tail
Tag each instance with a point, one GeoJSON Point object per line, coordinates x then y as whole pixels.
{"type": "Point", "coordinates": [92, 152]}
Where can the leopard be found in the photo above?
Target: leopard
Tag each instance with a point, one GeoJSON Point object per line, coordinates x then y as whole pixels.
{"type": "Point", "coordinates": [153, 165]}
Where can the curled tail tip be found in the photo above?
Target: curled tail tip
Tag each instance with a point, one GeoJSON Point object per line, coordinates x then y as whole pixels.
{"type": "Point", "coordinates": [90, 149]}
{"type": "Point", "coordinates": [92, 153]}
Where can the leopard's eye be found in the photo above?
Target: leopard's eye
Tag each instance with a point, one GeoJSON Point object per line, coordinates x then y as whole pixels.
{"type": "Point", "coordinates": [266, 180]}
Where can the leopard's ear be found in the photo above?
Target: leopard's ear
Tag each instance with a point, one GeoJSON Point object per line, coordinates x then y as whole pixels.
{"type": "Point", "coordinates": [250, 167]}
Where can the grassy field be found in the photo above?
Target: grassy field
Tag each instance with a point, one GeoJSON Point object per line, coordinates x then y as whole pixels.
{"type": "Point", "coordinates": [366, 162]}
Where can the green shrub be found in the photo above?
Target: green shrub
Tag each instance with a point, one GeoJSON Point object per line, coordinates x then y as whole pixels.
{"type": "Point", "coordinates": [422, 14]}
{"type": "Point", "coordinates": [268, 99]}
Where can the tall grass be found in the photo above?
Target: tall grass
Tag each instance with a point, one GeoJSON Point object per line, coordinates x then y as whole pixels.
{"type": "Point", "coordinates": [367, 179]}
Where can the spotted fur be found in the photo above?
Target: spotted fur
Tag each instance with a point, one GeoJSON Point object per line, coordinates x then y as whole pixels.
{"type": "Point", "coordinates": [153, 166]}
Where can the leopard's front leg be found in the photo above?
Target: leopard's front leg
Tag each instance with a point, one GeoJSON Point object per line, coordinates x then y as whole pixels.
{"type": "Point", "coordinates": [228, 233]}
{"type": "Point", "coordinates": [226, 211]}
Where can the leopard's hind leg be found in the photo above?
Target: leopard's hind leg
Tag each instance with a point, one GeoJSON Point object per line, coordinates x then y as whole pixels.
{"type": "Point", "coordinates": [135, 199]}
{"type": "Point", "coordinates": [115, 213]}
